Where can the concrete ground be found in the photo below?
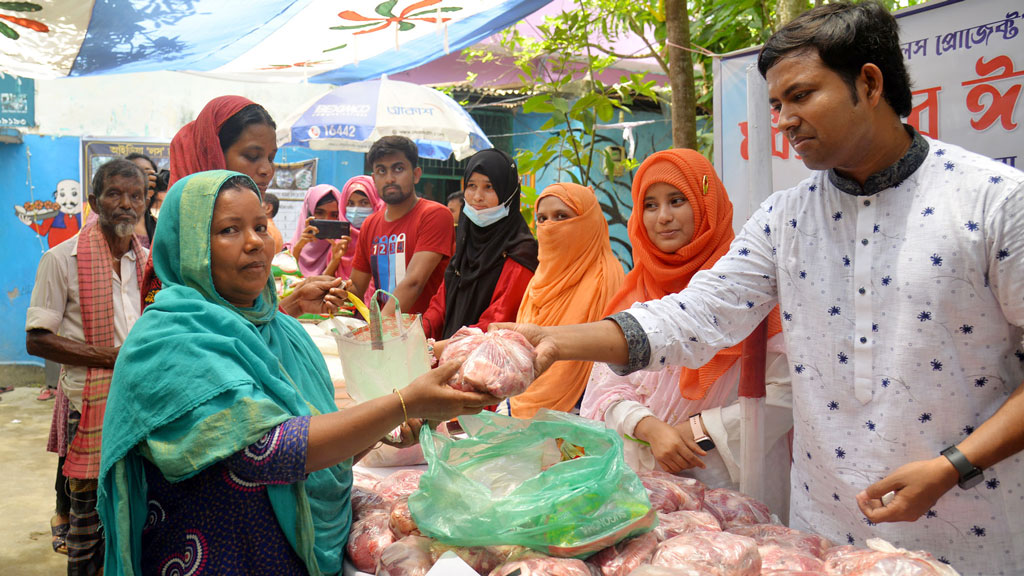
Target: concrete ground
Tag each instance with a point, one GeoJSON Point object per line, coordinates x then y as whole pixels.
{"type": "Point", "coordinates": [26, 477]}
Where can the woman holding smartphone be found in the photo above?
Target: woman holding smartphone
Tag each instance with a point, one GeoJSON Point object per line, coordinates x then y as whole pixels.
{"type": "Point", "coordinates": [311, 248]}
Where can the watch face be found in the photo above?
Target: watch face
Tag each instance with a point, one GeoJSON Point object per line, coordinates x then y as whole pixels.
{"type": "Point", "coordinates": [706, 444]}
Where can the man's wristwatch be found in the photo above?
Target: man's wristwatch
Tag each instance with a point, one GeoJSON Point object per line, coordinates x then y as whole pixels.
{"type": "Point", "coordinates": [703, 440]}
{"type": "Point", "coordinates": [970, 475]}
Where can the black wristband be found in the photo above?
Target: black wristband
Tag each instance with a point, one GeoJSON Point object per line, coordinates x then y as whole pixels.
{"type": "Point", "coordinates": [970, 475]}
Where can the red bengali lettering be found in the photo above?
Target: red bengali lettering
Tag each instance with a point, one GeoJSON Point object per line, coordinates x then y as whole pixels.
{"type": "Point", "coordinates": [928, 109]}
{"type": "Point", "coordinates": [1001, 105]}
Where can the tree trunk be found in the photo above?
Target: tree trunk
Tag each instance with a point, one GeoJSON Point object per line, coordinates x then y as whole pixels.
{"type": "Point", "coordinates": [684, 100]}
{"type": "Point", "coordinates": [786, 10]}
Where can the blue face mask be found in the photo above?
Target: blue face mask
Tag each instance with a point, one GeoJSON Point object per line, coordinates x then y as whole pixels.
{"type": "Point", "coordinates": [356, 214]}
{"type": "Point", "coordinates": [487, 216]}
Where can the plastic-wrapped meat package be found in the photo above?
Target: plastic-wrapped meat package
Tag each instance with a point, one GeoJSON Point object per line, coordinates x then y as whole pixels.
{"type": "Point", "coordinates": [401, 520]}
{"type": "Point", "coordinates": [684, 521]}
{"type": "Point", "coordinates": [498, 363]}
{"type": "Point", "coordinates": [784, 561]}
{"type": "Point", "coordinates": [626, 556]}
{"type": "Point", "coordinates": [400, 484]}
{"type": "Point", "coordinates": [364, 480]}
{"type": "Point", "coordinates": [366, 502]}
{"type": "Point", "coordinates": [367, 539]}
{"type": "Point", "coordinates": [409, 556]}
{"type": "Point", "coordinates": [733, 508]}
{"type": "Point", "coordinates": [667, 496]}
{"type": "Point", "coordinates": [544, 567]}
{"type": "Point", "coordinates": [649, 570]}
{"type": "Point", "coordinates": [779, 535]}
{"type": "Point", "coordinates": [714, 553]}
{"type": "Point", "coordinates": [883, 559]}
{"type": "Point", "coordinates": [691, 491]}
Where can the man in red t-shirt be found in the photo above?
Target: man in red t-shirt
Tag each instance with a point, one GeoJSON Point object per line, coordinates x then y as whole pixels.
{"type": "Point", "coordinates": [407, 246]}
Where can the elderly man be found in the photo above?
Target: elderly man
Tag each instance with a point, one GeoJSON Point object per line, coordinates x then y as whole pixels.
{"type": "Point", "coordinates": [85, 300]}
{"type": "Point", "coordinates": [898, 268]}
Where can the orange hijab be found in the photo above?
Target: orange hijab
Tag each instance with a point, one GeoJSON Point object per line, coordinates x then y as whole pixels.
{"type": "Point", "coordinates": [656, 274]}
{"type": "Point", "coordinates": [576, 276]}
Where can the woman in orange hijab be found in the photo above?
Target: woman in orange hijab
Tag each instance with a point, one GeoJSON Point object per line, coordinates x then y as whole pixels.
{"type": "Point", "coordinates": [576, 276]}
{"type": "Point", "coordinates": [681, 224]}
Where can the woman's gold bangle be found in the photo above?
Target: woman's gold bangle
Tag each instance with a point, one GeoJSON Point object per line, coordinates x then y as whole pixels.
{"type": "Point", "coordinates": [402, 400]}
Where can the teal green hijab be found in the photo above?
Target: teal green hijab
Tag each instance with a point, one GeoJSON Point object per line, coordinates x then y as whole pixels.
{"type": "Point", "coordinates": [199, 379]}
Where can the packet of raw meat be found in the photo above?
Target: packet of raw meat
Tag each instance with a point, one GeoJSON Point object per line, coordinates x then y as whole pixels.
{"type": "Point", "coordinates": [716, 553]}
{"type": "Point", "coordinates": [498, 363]}
{"type": "Point", "coordinates": [400, 484]}
{"type": "Point", "coordinates": [785, 561]}
{"type": "Point", "coordinates": [779, 535]}
{"type": "Point", "coordinates": [734, 508]}
{"type": "Point", "coordinates": [544, 567]}
{"type": "Point", "coordinates": [689, 490]}
{"type": "Point", "coordinates": [881, 558]}
{"type": "Point", "coordinates": [402, 523]}
{"type": "Point", "coordinates": [673, 524]}
{"type": "Point", "coordinates": [368, 539]}
{"type": "Point", "coordinates": [624, 557]}
{"type": "Point", "coordinates": [409, 556]}
{"type": "Point", "coordinates": [366, 502]}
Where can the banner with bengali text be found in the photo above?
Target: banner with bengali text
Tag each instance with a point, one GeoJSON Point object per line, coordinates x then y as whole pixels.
{"type": "Point", "coordinates": [966, 64]}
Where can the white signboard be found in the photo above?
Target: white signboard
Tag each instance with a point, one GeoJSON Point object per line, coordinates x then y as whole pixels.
{"type": "Point", "coordinates": [966, 63]}
{"type": "Point", "coordinates": [289, 185]}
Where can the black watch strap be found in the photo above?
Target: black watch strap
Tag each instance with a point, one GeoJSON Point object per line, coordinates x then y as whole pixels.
{"type": "Point", "coordinates": [970, 475]}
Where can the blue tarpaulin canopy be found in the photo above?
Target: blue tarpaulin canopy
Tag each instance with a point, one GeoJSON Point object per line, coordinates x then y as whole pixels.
{"type": "Point", "coordinates": [322, 41]}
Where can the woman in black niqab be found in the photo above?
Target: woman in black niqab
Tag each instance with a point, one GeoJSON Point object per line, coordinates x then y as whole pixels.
{"type": "Point", "coordinates": [480, 252]}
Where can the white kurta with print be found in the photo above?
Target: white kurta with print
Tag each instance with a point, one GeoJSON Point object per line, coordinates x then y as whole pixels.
{"type": "Point", "coordinates": [903, 314]}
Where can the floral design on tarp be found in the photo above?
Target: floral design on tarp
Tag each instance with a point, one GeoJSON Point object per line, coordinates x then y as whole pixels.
{"type": "Point", "coordinates": [386, 9]}
{"type": "Point", "coordinates": [18, 21]}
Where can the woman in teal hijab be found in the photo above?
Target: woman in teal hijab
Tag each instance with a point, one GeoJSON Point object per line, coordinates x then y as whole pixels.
{"type": "Point", "coordinates": [223, 450]}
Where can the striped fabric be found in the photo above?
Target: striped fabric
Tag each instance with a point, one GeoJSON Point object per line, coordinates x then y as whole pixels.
{"type": "Point", "coordinates": [95, 289]}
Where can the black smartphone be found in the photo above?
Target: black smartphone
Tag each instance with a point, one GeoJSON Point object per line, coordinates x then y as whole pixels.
{"type": "Point", "coordinates": [330, 229]}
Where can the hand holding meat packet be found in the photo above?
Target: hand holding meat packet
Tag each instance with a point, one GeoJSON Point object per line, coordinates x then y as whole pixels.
{"type": "Point", "coordinates": [498, 363]}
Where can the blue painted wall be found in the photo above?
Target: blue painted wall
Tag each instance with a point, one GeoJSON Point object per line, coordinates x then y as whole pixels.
{"type": "Point", "coordinates": [52, 159]}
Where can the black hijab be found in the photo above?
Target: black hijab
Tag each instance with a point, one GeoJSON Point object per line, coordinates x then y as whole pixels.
{"type": "Point", "coordinates": [480, 253]}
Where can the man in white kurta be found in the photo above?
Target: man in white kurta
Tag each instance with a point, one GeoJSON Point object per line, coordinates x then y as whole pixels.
{"type": "Point", "coordinates": [898, 267]}
{"type": "Point", "coordinates": [929, 350]}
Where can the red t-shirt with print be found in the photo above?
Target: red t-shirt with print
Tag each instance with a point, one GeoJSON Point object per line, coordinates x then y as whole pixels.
{"type": "Point", "coordinates": [385, 248]}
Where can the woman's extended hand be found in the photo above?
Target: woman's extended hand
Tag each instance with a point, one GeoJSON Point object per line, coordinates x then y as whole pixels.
{"type": "Point", "coordinates": [673, 447]}
{"type": "Point", "coordinates": [429, 397]}
{"type": "Point", "coordinates": [315, 295]}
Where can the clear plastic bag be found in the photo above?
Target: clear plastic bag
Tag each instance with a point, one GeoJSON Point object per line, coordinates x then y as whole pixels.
{"type": "Point", "coordinates": [734, 508]}
{"type": "Point", "coordinates": [683, 522]}
{"type": "Point", "coordinates": [624, 557]}
{"type": "Point", "coordinates": [544, 567]}
{"type": "Point", "coordinates": [881, 558]}
{"type": "Point", "coordinates": [498, 363]}
{"type": "Point", "coordinates": [779, 535]}
{"type": "Point", "coordinates": [368, 539]}
{"type": "Point", "coordinates": [714, 553]}
{"type": "Point", "coordinates": [564, 490]}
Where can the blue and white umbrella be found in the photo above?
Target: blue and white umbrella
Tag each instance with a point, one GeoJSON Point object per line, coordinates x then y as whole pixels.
{"type": "Point", "coordinates": [354, 116]}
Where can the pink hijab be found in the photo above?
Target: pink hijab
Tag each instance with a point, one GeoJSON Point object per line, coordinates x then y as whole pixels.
{"type": "Point", "coordinates": [365, 185]}
{"type": "Point", "coordinates": [317, 254]}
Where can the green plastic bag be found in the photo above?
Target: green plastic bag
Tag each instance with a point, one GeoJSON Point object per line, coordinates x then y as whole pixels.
{"type": "Point", "coordinates": [557, 484]}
